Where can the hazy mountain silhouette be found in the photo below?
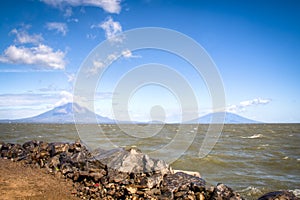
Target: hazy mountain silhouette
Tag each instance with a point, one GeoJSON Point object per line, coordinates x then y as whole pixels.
{"type": "Point", "coordinates": [65, 115]}
{"type": "Point", "coordinates": [230, 118]}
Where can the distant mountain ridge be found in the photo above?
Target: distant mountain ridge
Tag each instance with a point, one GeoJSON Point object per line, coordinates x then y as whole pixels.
{"type": "Point", "coordinates": [229, 118]}
{"type": "Point", "coordinates": [65, 115]}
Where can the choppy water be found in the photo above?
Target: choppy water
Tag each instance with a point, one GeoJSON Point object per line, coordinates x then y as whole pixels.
{"type": "Point", "coordinates": [252, 159]}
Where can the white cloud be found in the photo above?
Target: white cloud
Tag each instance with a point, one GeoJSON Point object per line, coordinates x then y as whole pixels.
{"type": "Point", "coordinates": [232, 108]}
{"type": "Point", "coordinates": [255, 101]}
{"type": "Point", "coordinates": [22, 37]}
{"type": "Point", "coordinates": [112, 29]}
{"type": "Point", "coordinates": [32, 51]}
{"type": "Point", "coordinates": [71, 77]}
{"type": "Point", "coordinates": [97, 66]}
{"type": "Point", "coordinates": [40, 55]}
{"type": "Point", "coordinates": [110, 6]}
{"type": "Point", "coordinates": [58, 27]}
{"type": "Point", "coordinates": [111, 57]}
{"type": "Point", "coordinates": [73, 20]}
{"type": "Point", "coordinates": [68, 12]}
{"type": "Point", "coordinates": [65, 97]}
{"type": "Point", "coordinates": [100, 64]}
{"type": "Point", "coordinates": [91, 36]}
{"type": "Point", "coordinates": [243, 104]}
{"type": "Point", "coordinates": [128, 54]}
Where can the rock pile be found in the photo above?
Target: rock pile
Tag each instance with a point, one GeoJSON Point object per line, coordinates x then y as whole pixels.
{"type": "Point", "coordinates": [114, 174]}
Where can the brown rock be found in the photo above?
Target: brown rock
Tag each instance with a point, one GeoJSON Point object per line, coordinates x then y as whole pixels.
{"type": "Point", "coordinates": [132, 189]}
{"type": "Point", "coordinates": [224, 192]}
{"type": "Point", "coordinates": [53, 162]}
{"type": "Point", "coordinates": [96, 176]}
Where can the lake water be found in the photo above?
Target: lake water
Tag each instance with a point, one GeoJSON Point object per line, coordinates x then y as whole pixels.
{"type": "Point", "coordinates": [252, 159]}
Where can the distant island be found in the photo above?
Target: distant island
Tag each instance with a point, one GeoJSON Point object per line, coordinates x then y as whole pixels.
{"type": "Point", "coordinates": [65, 115]}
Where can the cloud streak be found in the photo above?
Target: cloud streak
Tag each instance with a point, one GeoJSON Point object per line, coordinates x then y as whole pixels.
{"type": "Point", "coordinates": [256, 101]}
{"type": "Point", "coordinates": [128, 54]}
{"type": "Point", "coordinates": [100, 64]}
{"type": "Point", "coordinates": [110, 6]}
{"type": "Point", "coordinates": [248, 103]}
{"type": "Point", "coordinates": [26, 100]}
{"type": "Point", "coordinates": [58, 27]}
{"type": "Point", "coordinates": [24, 105]}
{"type": "Point", "coordinates": [22, 37]}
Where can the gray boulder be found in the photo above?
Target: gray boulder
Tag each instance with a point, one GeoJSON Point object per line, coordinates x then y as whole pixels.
{"type": "Point", "coordinates": [130, 160]}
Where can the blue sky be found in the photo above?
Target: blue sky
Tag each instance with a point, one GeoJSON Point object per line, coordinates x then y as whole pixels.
{"type": "Point", "coordinates": [254, 44]}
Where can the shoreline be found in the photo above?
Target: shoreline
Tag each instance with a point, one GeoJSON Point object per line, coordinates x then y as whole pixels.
{"type": "Point", "coordinates": [103, 174]}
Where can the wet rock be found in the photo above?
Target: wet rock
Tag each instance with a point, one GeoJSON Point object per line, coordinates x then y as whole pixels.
{"type": "Point", "coordinates": [30, 145]}
{"type": "Point", "coordinates": [59, 147]}
{"type": "Point", "coordinates": [154, 180]}
{"type": "Point", "coordinates": [279, 195]}
{"type": "Point", "coordinates": [153, 192]}
{"type": "Point", "coordinates": [64, 158]}
{"type": "Point", "coordinates": [43, 154]}
{"type": "Point", "coordinates": [53, 163]}
{"type": "Point", "coordinates": [43, 146]}
{"type": "Point", "coordinates": [15, 151]}
{"type": "Point", "coordinates": [117, 176]}
{"type": "Point", "coordinates": [79, 159]}
{"type": "Point", "coordinates": [224, 192]}
{"type": "Point", "coordinates": [97, 175]}
{"type": "Point", "coordinates": [179, 184]}
{"type": "Point", "coordinates": [132, 189]}
{"type": "Point", "coordinates": [66, 168]}
{"type": "Point", "coordinates": [7, 146]}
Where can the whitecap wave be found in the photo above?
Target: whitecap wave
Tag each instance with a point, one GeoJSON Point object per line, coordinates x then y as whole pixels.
{"type": "Point", "coordinates": [250, 191]}
{"type": "Point", "coordinates": [253, 136]}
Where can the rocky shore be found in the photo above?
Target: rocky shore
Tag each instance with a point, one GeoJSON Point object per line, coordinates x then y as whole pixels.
{"type": "Point", "coordinates": [118, 173]}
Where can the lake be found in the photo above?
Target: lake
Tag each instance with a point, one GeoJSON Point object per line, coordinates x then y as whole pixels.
{"type": "Point", "coordinates": [251, 158]}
